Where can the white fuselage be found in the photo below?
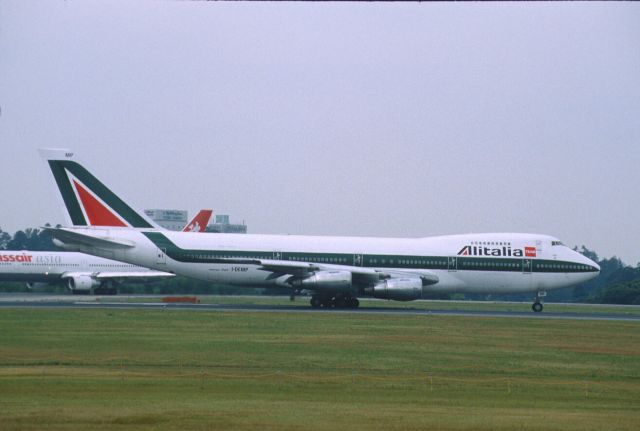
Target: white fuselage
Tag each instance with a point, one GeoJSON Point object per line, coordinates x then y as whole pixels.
{"type": "Point", "coordinates": [474, 263]}
{"type": "Point", "coordinates": [51, 266]}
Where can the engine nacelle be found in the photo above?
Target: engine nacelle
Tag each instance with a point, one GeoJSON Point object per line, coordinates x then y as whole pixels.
{"type": "Point", "coordinates": [400, 289]}
{"type": "Point", "coordinates": [326, 280]}
{"type": "Point", "coordinates": [81, 283]}
{"type": "Point", "coordinates": [31, 285]}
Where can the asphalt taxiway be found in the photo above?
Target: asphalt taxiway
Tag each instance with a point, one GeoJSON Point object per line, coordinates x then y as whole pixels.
{"type": "Point", "coordinates": [74, 302]}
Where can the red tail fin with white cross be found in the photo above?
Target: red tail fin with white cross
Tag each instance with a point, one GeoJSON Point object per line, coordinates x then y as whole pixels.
{"type": "Point", "coordinates": [199, 222]}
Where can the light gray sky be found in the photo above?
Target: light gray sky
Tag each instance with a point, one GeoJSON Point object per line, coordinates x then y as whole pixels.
{"type": "Point", "coordinates": [334, 119]}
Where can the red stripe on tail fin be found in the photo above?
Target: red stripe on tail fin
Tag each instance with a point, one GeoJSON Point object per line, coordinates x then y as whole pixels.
{"type": "Point", "coordinates": [97, 213]}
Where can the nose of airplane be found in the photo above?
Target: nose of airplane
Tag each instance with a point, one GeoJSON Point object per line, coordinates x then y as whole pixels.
{"type": "Point", "coordinates": [586, 261]}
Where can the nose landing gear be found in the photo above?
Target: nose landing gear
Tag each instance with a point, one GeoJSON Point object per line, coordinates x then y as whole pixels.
{"type": "Point", "coordinates": [537, 305]}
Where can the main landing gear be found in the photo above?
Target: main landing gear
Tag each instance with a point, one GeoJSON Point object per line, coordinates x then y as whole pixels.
{"type": "Point", "coordinates": [106, 288]}
{"type": "Point", "coordinates": [336, 301]}
{"type": "Point", "coordinates": [537, 305]}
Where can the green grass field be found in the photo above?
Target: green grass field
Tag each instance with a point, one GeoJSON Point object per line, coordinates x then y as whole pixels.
{"type": "Point", "coordinates": [178, 369]}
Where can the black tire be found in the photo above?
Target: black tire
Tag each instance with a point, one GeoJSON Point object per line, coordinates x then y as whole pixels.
{"type": "Point", "coordinates": [353, 302]}
{"type": "Point", "coordinates": [315, 302]}
{"type": "Point", "coordinates": [537, 307]}
{"type": "Point", "coordinates": [328, 302]}
{"type": "Point", "coordinates": [341, 302]}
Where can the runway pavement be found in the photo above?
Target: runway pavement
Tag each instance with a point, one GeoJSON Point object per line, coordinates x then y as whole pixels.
{"type": "Point", "coordinates": [74, 302]}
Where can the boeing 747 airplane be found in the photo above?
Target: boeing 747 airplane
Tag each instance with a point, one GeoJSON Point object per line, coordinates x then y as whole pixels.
{"type": "Point", "coordinates": [81, 273]}
{"type": "Point", "coordinates": [337, 270]}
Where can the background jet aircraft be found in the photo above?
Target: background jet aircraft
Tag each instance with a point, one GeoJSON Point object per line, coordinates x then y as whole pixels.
{"type": "Point", "coordinates": [81, 273]}
{"type": "Point", "coordinates": [336, 269]}
{"type": "Point", "coordinates": [199, 222]}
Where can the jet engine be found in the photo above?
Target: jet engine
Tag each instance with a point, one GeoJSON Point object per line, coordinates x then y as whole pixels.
{"type": "Point", "coordinates": [325, 280]}
{"type": "Point", "coordinates": [399, 289]}
{"type": "Point", "coordinates": [81, 283]}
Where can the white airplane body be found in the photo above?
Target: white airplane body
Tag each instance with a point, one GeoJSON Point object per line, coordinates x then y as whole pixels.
{"type": "Point", "coordinates": [81, 273]}
{"type": "Point", "coordinates": [337, 269]}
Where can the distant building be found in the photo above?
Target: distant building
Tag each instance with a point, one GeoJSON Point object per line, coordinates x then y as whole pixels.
{"type": "Point", "coordinates": [168, 219]}
{"type": "Point", "coordinates": [222, 225]}
{"type": "Point", "coordinates": [222, 219]}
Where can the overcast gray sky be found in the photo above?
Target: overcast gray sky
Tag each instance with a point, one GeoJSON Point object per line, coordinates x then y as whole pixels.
{"type": "Point", "coordinates": [334, 119]}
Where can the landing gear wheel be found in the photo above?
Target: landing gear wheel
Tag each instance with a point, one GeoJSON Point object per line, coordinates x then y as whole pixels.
{"type": "Point", "coordinates": [537, 307]}
{"type": "Point", "coordinates": [353, 302]}
{"type": "Point", "coordinates": [106, 288]}
{"type": "Point", "coordinates": [338, 301]}
{"type": "Point", "coordinates": [341, 301]}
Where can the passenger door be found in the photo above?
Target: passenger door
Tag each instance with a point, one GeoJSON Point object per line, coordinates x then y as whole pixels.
{"type": "Point", "coordinates": [526, 266]}
{"type": "Point", "coordinates": [161, 256]}
{"type": "Point", "coordinates": [453, 263]}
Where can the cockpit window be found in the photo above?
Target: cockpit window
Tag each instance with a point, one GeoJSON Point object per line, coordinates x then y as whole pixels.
{"type": "Point", "coordinates": [556, 243]}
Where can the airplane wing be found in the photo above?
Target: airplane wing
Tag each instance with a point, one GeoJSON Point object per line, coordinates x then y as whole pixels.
{"type": "Point", "coordinates": [427, 277]}
{"type": "Point", "coordinates": [137, 274]}
{"type": "Point", "coordinates": [106, 275]}
{"type": "Point", "coordinates": [364, 276]}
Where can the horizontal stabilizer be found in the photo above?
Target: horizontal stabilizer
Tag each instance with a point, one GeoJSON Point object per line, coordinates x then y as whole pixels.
{"type": "Point", "coordinates": [72, 237]}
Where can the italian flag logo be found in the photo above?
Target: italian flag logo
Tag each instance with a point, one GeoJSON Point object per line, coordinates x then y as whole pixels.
{"type": "Point", "coordinates": [89, 202]}
{"type": "Point", "coordinates": [95, 211]}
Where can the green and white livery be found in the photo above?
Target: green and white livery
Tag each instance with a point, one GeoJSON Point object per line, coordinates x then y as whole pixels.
{"type": "Point", "coordinates": [337, 270]}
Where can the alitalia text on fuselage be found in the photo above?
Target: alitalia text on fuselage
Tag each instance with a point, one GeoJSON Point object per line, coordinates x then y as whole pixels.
{"type": "Point", "coordinates": [501, 251]}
